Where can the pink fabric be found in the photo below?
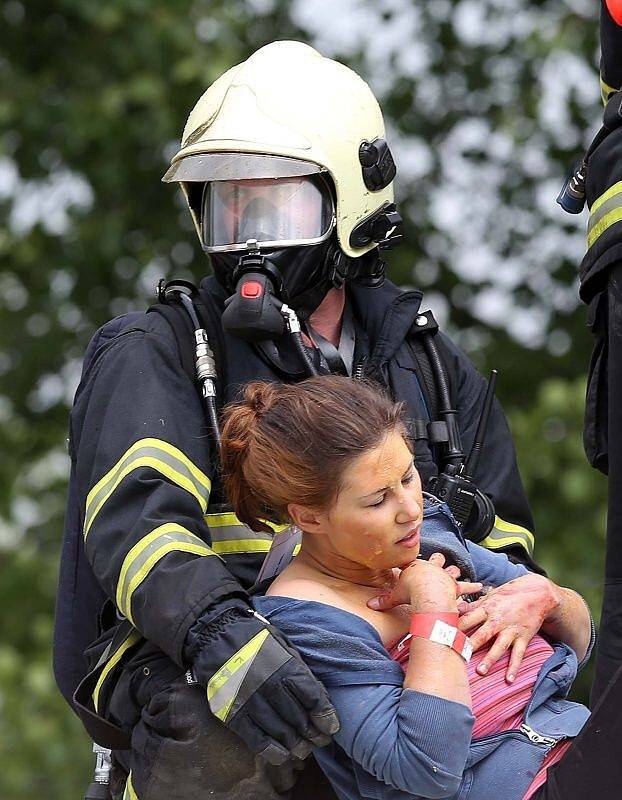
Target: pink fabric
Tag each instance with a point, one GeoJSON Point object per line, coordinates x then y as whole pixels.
{"type": "Point", "coordinates": [498, 705]}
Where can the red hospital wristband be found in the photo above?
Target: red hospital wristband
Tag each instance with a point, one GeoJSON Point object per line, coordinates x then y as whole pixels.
{"type": "Point", "coordinates": [443, 629]}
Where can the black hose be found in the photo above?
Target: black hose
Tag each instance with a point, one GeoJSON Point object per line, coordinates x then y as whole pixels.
{"type": "Point", "coordinates": [454, 455]}
{"type": "Point", "coordinates": [302, 351]}
{"type": "Point", "coordinates": [438, 369]}
{"type": "Point", "coordinates": [209, 400]}
{"type": "Point", "coordinates": [189, 306]}
{"type": "Point", "coordinates": [212, 415]}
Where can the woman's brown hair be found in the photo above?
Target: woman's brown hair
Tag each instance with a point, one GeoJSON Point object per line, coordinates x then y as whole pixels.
{"type": "Point", "coordinates": [290, 443]}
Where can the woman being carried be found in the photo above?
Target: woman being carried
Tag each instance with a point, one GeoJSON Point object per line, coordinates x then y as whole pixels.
{"type": "Point", "coordinates": [331, 455]}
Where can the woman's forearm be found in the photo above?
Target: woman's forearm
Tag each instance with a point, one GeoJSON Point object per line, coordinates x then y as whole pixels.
{"type": "Point", "coordinates": [434, 668]}
{"type": "Point", "coordinates": [438, 670]}
{"type": "Point", "coordinates": [570, 621]}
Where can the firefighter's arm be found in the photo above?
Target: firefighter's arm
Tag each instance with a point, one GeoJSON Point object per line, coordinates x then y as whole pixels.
{"type": "Point", "coordinates": [143, 469]}
{"type": "Point", "coordinates": [603, 183]}
{"type": "Point", "coordinates": [144, 478]}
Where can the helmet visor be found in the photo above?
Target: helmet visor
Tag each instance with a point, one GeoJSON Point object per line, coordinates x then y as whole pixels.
{"type": "Point", "coordinates": [270, 211]}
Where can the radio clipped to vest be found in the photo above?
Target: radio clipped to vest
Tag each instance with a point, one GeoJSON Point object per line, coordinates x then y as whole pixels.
{"type": "Point", "coordinates": [455, 485]}
{"type": "Point", "coordinates": [473, 510]}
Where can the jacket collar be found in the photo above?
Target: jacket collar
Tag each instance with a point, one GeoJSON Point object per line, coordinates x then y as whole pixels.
{"type": "Point", "coordinates": [387, 314]}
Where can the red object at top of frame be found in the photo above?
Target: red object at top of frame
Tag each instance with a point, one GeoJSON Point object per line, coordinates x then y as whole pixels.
{"type": "Point", "coordinates": [615, 9]}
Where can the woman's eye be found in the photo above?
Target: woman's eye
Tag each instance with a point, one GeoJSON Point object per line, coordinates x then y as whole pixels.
{"type": "Point", "coordinates": [379, 503]}
{"type": "Point", "coordinates": [408, 478]}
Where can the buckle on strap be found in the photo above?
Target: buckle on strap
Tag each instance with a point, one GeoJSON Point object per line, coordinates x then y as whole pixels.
{"type": "Point", "coordinates": [438, 432]}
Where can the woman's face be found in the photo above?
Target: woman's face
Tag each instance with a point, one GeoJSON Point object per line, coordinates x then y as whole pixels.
{"type": "Point", "coordinates": [376, 519]}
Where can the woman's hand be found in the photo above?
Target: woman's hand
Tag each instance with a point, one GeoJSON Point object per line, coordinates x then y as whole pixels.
{"type": "Point", "coordinates": [427, 587]}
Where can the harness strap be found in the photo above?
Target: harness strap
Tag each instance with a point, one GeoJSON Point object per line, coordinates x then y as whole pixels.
{"type": "Point", "coordinates": [417, 429]}
{"type": "Point", "coordinates": [331, 354]}
{"type": "Point", "coordinates": [339, 359]}
{"type": "Point", "coordinates": [438, 432]}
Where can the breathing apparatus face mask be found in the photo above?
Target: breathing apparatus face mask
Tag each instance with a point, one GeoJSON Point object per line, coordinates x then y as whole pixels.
{"type": "Point", "coordinates": [277, 234]}
{"type": "Point", "coordinates": [272, 212]}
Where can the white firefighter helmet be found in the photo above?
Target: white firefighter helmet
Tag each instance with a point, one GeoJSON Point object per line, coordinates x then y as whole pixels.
{"type": "Point", "coordinates": [286, 112]}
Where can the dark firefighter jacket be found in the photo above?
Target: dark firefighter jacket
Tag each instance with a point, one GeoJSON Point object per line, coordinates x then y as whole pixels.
{"type": "Point", "coordinates": [604, 240]}
{"type": "Point", "coordinates": [145, 473]}
{"type": "Point", "coordinates": [601, 289]}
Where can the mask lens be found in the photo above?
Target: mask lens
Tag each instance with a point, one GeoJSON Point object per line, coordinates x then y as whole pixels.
{"type": "Point", "coordinates": [270, 210]}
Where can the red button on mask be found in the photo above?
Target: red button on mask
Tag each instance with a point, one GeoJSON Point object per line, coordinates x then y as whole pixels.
{"type": "Point", "coordinates": [252, 289]}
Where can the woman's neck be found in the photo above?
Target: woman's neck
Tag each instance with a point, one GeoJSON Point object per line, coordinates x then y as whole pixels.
{"type": "Point", "coordinates": [342, 584]}
{"type": "Point", "coordinates": [335, 569]}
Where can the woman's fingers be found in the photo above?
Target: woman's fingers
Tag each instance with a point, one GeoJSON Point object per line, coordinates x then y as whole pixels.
{"type": "Point", "coordinates": [453, 570]}
{"type": "Point", "coordinates": [383, 602]}
{"type": "Point", "coordinates": [466, 587]}
{"type": "Point", "coordinates": [474, 616]}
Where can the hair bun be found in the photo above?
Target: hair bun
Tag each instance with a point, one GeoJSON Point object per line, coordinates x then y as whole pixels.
{"type": "Point", "coordinates": [260, 396]}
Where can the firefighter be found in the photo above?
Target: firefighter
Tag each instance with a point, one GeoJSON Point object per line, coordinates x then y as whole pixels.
{"type": "Point", "coordinates": [289, 180]}
{"type": "Point", "coordinates": [600, 183]}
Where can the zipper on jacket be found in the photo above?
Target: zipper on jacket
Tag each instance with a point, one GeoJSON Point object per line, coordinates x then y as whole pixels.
{"type": "Point", "coordinates": [359, 370]}
{"type": "Point", "coordinates": [537, 738]}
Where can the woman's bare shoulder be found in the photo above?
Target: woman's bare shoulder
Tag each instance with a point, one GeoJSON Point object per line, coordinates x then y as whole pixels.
{"type": "Point", "coordinates": [302, 584]}
{"type": "Point", "coordinates": [304, 587]}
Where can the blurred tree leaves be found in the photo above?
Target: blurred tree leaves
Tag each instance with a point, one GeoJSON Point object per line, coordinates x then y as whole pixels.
{"type": "Point", "coordinates": [569, 499]}
{"type": "Point", "coordinates": [488, 102]}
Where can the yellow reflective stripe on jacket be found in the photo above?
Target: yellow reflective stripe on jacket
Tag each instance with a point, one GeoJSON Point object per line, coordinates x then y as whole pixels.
{"type": "Point", "coordinates": [606, 91]}
{"type": "Point", "coordinates": [606, 210]}
{"type": "Point", "coordinates": [225, 684]}
{"type": "Point", "coordinates": [129, 793]}
{"type": "Point", "coordinates": [216, 520]}
{"type": "Point", "coordinates": [505, 534]}
{"type": "Point", "coordinates": [112, 662]}
{"type": "Point", "coordinates": [146, 553]}
{"type": "Point", "coordinates": [237, 546]}
{"type": "Point", "coordinates": [230, 536]}
{"type": "Point", "coordinates": [159, 455]}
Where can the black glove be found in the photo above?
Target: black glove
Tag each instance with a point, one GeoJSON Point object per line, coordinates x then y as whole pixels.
{"type": "Point", "coordinates": [259, 686]}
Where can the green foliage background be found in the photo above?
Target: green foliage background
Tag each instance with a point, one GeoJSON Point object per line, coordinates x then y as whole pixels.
{"type": "Point", "coordinates": [487, 101]}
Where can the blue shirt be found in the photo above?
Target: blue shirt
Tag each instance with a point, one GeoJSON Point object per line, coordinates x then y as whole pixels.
{"type": "Point", "coordinates": [401, 744]}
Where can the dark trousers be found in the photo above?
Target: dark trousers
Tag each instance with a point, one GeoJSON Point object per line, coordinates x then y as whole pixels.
{"type": "Point", "coordinates": [592, 767]}
{"type": "Point", "coordinates": [180, 751]}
